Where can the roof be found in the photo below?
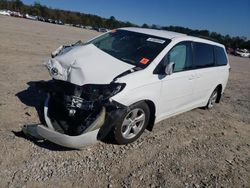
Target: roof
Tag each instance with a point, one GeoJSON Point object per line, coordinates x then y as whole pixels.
{"type": "Point", "coordinates": [155, 32]}
{"type": "Point", "coordinates": [170, 35]}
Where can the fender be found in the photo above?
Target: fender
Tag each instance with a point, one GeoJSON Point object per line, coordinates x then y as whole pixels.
{"type": "Point", "coordinates": [146, 93]}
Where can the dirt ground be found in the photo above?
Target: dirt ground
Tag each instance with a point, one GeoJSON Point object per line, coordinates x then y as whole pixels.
{"type": "Point", "coordinates": [199, 148]}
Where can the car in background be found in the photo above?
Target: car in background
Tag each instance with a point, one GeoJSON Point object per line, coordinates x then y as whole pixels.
{"type": "Point", "coordinates": [30, 17]}
{"type": "Point", "coordinates": [60, 22]}
{"type": "Point", "coordinates": [88, 27]}
{"type": "Point", "coordinates": [104, 30]}
{"type": "Point", "coordinates": [39, 18]}
{"type": "Point", "coordinates": [49, 20]}
{"type": "Point", "coordinates": [77, 25]}
{"type": "Point", "coordinates": [242, 53]}
{"type": "Point", "coordinates": [16, 14]}
{"type": "Point", "coordinates": [4, 12]}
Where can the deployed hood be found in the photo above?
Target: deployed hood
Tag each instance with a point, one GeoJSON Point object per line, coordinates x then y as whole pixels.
{"type": "Point", "coordinates": [86, 65]}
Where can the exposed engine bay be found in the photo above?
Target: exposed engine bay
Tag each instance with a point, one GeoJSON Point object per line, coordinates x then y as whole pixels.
{"type": "Point", "coordinates": [76, 115]}
{"type": "Point", "coordinates": [73, 109]}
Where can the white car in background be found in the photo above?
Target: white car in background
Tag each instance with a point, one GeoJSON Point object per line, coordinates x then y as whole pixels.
{"type": "Point", "coordinates": [31, 17]}
{"type": "Point", "coordinates": [4, 12]}
{"type": "Point", "coordinates": [242, 53]}
{"type": "Point", "coordinates": [102, 30]}
{"type": "Point", "coordinates": [125, 81]}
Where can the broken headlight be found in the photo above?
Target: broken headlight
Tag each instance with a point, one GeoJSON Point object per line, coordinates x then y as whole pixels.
{"type": "Point", "coordinates": [102, 92]}
{"type": "Point", "coordinates": [56, 70]}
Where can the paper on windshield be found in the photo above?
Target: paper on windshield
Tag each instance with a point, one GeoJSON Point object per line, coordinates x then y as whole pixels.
{"type": "Point", "coordinates": [160, 41]}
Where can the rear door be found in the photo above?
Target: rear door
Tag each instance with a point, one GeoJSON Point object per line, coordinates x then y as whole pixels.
{"type": "Point", "coordinates": [210, 70]}
{"type": "Point", "coordinates": [204, 73]}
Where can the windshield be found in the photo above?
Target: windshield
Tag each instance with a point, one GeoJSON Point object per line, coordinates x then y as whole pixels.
{"type": "Point", "coordinates": [134, 48]}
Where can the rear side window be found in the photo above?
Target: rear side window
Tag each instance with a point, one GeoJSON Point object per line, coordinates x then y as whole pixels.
{"type": "Point", "coordinates": [203, 55]}
{"type": "Point", "coordinates": [220, 56]}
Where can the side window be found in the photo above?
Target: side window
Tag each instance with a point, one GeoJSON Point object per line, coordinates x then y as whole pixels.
{"type": "Point", "coordinates": [180, 55]}
{"type": "Point", "coordinates": [203, 55]}
{"type": "Point", "coordinates": [220, 56]}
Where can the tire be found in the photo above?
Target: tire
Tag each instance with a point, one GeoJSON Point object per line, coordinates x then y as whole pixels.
{"type": "Point", "coordinates": [213, 98]}
{"type": "Point", "coordinates": [132, 124]}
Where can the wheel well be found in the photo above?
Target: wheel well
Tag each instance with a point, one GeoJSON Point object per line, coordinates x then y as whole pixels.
{"type": "Point", "coordinates": [151, 123]}
{"type": "Point", "coordinates": [219, 93]}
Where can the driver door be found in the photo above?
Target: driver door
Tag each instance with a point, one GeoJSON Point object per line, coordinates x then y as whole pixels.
{"type": "Point", "coordinates": [177, 88]}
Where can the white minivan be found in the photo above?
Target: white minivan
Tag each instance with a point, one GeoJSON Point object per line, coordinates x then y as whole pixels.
{"type": "Point", "coordinates": [126, 80]}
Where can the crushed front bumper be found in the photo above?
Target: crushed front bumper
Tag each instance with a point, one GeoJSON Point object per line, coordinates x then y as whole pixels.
{"type": "Point", "coordinates": [88, 137]}
{"type": "Point", "coordinates": [98, 130]}
{"type": "Point", "coordinates": [76, 142]}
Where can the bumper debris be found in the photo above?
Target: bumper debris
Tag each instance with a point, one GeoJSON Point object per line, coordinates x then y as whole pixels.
{"type": "Point", "coordinates": [88, 137]}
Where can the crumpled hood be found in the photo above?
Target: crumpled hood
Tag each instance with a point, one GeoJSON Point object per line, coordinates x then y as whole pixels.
{"type": "Point", "coordinates": [86, 65]}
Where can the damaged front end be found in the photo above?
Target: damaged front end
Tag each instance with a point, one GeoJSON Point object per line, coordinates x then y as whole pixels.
{"type": "Point", "coordinates": [76, 111]}
{"type": "Point", "coordinates": [75, 115]}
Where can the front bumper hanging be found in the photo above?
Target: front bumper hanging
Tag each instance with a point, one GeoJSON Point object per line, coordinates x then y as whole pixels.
{"type": "Point", "coordinates": [88, 137]}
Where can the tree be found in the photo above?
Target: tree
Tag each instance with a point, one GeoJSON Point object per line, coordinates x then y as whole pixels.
{"type": "Point", "coordinates": [155, 26]}
{"type": "Point", "coordinates": [18, 5]}
{"type": "Point", "coordinates": [204, 33]}
{"type": "Point", "coordinates": [112, 18]}
{"type": "Point", "coordinates": [145, 25]}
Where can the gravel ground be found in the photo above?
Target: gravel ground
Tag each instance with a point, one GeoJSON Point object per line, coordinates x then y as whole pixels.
{"type": "Point", "coordinates": [199, 148]}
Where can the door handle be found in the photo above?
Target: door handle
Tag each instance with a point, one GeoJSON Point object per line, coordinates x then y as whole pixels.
{"type": "Point", "coordinates": [194, 76]}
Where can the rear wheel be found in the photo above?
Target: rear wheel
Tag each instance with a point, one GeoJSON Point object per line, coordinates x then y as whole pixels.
{"type": "Point", "coordinates": [212, 99]}
{"type": "Point", "coordinates": [132, 124]}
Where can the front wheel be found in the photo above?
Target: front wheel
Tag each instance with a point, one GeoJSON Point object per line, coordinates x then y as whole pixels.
{"type": "Point", "coordinates": [132, 123]}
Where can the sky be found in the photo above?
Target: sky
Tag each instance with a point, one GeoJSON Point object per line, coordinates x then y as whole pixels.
{"type": "Point", "coordinates": [223, 16]}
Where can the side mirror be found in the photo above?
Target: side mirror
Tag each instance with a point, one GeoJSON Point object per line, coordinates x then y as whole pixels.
{"type": "Point", "coordinates": [169, 68]}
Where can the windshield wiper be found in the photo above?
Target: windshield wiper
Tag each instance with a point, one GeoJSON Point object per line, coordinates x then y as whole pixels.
{"type": "Point", "coordinates": [127, 60]}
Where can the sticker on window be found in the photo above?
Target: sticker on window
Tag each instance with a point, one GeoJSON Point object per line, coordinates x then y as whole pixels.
{"type": "Point", "coordinates": [160, 41]}
{"type": "Point", "coordinates": [144, 61]}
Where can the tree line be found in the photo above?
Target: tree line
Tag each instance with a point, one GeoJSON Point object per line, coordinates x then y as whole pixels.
{"type": "Point", "coordinates": [72, 17]}
{"type": "Point", "coordinates": [66, 16]}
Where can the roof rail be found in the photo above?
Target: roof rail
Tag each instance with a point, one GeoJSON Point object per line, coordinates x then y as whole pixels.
{"type": "Point", "coordinates": [203, 37]}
